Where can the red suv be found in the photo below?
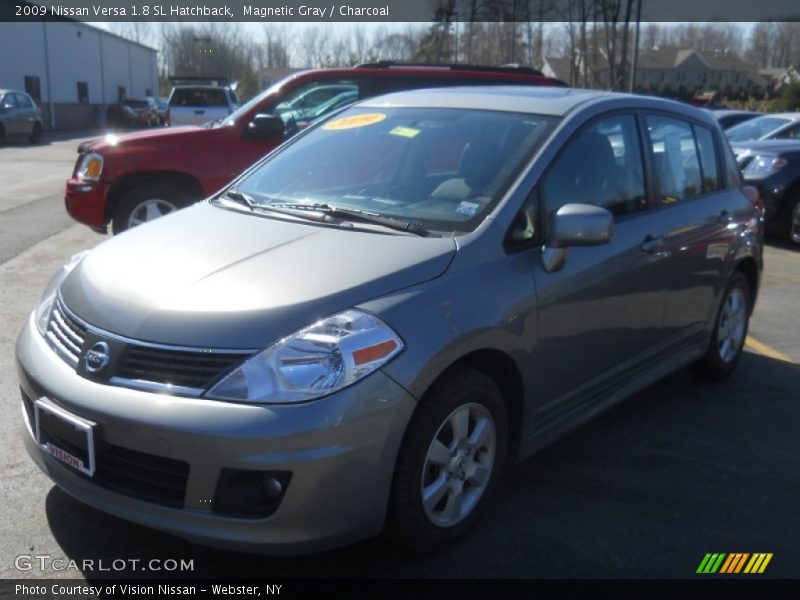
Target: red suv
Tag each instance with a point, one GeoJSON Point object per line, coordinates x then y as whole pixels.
{"type": "Point", "coordinates": [129, 179]}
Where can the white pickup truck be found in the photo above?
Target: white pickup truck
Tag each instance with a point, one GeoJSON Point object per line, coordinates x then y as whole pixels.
{"type": "Point", "coordinates": [198, 104]}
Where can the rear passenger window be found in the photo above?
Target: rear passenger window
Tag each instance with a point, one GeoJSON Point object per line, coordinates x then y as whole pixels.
{"type": "Point", "coordinates": [602, 165]}
{"type": "Point", "coordinates": [708, 158]}
{"type": "Point", "coordinates": [675, 158]}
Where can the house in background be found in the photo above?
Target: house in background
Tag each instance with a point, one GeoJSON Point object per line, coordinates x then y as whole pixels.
{"type": "Point", "coordinates": [778, 77]}
{"type": "Point", "coordinates": [667, 67]}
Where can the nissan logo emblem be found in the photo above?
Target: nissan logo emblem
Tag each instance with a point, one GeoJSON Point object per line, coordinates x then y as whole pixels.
{"type": "Point", "coordinates": [97, 357]}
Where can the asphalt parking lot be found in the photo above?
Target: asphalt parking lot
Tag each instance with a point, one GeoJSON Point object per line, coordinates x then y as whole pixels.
{"type": "Point", "coordinates": [682, 469]}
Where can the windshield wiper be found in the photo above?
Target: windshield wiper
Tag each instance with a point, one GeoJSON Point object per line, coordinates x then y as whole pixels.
{"type": "Point", "coordinates": [352, 214]}
{"type": "Point", "coordinates": [240, 197]}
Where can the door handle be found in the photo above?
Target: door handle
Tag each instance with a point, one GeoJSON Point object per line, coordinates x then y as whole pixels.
{"type": "Point", "coordinates": [725, 217]}
{"type": "Point", "coordinates": [651, 244]}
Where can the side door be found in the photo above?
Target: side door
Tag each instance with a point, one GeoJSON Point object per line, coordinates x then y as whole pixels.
{"type": "Point", "coordinates": [700, 219]}
{"type": "Point", "coordinates": [26, 113]}
{"type": "Point", "coordinates": [599, 316]}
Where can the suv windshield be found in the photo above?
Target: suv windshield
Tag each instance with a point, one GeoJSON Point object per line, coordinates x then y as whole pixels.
{"type": "Point", "coordinates": [442, 168]}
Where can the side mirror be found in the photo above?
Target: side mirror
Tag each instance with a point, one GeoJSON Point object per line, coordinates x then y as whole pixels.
{"type": "Point", "coordinates": [266, 126]}
{"type": "Point", "coordinates": [575, 225]}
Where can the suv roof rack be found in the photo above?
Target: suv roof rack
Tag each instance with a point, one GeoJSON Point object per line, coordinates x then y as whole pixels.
{"type": "Point", "coordinates": [508, 68]}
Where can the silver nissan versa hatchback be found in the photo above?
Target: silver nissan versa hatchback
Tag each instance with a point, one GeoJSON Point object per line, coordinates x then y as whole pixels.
{"type": "Point", "coordinates": [366, 326]}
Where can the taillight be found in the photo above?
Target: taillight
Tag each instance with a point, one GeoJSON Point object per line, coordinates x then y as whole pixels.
{"type": "Point", "coordinates": [751, 193]}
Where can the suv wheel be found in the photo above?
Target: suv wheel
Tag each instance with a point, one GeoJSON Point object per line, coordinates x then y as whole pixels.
{"type": "Point", "coordinates": [147, 202]}
{"type": "Point", "coordinates": [36, 135]}
{"type": "Point", "coordinates": [450, 462]}
{"type": "Point", "coordinates": [730, 331]}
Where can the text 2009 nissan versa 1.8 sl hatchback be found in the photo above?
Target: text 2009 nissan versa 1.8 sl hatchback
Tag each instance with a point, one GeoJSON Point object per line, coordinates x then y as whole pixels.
{"type": "Point", "coordinates": [363, 329]}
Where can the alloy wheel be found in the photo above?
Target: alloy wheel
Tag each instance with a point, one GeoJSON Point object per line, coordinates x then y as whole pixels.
{"type": "Point", "coordinates": [794, 224]}
{"type": "Point", "coordinates": [148, 211]}
{"type": "Point", "coordinates": [732, 325]}
{"type": "Point", "coordinates": [458, 465]}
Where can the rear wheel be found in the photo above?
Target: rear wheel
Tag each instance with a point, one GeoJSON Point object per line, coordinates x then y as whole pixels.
{"type": "Point", "coordinates": [730, 331]}
{"type": "Point", "coordinates": [147, 202]}
{"type": "Point", "coordinates": [36, 135]}
{"type": "Point", "coordinates": [450, 462]}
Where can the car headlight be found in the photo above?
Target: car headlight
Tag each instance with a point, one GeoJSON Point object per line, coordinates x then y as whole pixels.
{"type": "Point", "coordinates": [42, 314]}
{"type": "Point", "coordinates": [764, 165]}
{"type": "Point", "coordinates": [91, 167]}
{"type": "Point", "coordinates": [313, 362]}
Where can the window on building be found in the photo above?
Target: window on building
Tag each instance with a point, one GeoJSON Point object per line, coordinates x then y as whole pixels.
{"type": "Point", "coordinates": [122, 94]}
{"type": "Point", "coordinates": [83, 92]}
{"type": "Point", "coordinates": [675, 158]}
{"type": "Point", "coordinates": [148, 92]}
{"type": "Point", "coordinates": [33, 88]}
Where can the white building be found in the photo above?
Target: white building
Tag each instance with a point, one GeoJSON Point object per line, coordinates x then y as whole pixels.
{"type": "Point", "coordinates": [74, 70]}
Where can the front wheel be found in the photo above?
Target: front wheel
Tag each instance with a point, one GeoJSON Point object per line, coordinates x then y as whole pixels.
{"type": "Point", "coordinates": [450, 462]}
{"type": "Point", "coordinates": [792, 221]}
{"type": "Point", "coordinates": [730, 331]}
{"type": "Point", "coordinates": [36, 135]}
{"type": "Point", "coordinates": [148, 202]}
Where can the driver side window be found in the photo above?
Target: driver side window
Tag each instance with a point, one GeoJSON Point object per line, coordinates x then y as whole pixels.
{"type": "Point", "coordinates": [315, 100]}
{"type": "Point", "coordinates": [601, 165]}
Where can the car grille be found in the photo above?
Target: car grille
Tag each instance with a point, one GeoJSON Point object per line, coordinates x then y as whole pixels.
{"type": "Point", "coordinates": [65, 335]}
{"type": "Point", "coordinates": [142, 365]}
{"type": "Point", "coordinates": [191, 369]}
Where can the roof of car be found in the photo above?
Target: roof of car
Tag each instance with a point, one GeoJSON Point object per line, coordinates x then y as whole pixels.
{"type": "Point", "coordinates": [554, 101]}
{"type": "Point", "coordinates": [792, 116]}
{"type": "Point", "coordinates": [724, 112]}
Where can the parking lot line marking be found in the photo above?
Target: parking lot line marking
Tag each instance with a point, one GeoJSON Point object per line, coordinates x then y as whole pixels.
{"type": "Point", "coordinates": [767, 351]}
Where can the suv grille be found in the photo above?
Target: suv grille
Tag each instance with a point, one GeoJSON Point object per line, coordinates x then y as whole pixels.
{"type": "Point", "coordinates": [191, 369]}
{"type": "Point", "coordinates": [65, 335]}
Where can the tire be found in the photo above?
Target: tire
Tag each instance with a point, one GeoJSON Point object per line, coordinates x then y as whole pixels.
{"type": "Point", "coordinates": [141, 203]}
{"type": "Point", "coordinates": [2, 133]}
{"type": "Point", "coordinates": [730, 331]}
{"type": "Point", "coordinates": [424, 530]}
{"type": "Point", "coordinates": [36, 135]}
{"type": "Point", "coordinates": [790, 223]}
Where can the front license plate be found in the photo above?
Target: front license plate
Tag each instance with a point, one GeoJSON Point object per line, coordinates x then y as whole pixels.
{"type": "Point", "coordinates": [64, 436]}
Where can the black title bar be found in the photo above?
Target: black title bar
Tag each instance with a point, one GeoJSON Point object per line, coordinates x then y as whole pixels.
{"type": "Point", "coordinates": [446, 11]}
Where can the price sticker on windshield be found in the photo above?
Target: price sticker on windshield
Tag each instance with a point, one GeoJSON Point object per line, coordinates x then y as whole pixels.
{"type": "Point", "coordinates": [354, 121]}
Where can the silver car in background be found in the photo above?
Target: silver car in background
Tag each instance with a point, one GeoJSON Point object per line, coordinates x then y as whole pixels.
{"type": "Point", "coordinates": [366, 327]}
{"type": "Point", "coordinates": [19, 117]}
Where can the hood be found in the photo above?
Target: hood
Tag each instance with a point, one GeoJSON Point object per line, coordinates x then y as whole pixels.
{"type": "Point", "coordinates": [767, 146]}
{"type": "Point", "coordinates": [159, 135]}
{"type": "Point", "coordinates": [217, 278]}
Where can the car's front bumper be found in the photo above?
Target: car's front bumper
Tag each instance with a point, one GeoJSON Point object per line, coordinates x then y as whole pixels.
{"type": "Point", "coordinates": [86, 202]}
{"type": "Point", "coordinates": [340, 449]}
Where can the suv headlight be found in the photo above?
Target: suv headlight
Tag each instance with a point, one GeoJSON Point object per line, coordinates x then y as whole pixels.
{"type": "Point", "coordinates": [313, 362]}
{"type": "Point", "coordinates": [764, 165]}
{"type": "Point", "coordinates": [90, 167]}
{"type": "Point", "coordinates": [42, 313]}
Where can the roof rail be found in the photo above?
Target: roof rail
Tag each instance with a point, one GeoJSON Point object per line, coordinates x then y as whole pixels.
{"type": "Point", "coordinates": [509, 68]}
{"type": "Point", "coordinates": [180, 79]}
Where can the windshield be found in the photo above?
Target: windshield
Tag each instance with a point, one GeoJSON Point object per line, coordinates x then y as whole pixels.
{"type": "Point", "coordinates": [754, 128]}
{"type": "Point", "coordinates": [254, 101]}
{"type": "Point", "coordinates": [442, 168]}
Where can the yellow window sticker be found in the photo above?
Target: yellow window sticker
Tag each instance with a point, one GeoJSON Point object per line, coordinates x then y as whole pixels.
{"type": "Point", "coordinates": [407, 132]}
{"type": "Point", "coordinates": [354, 121]}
